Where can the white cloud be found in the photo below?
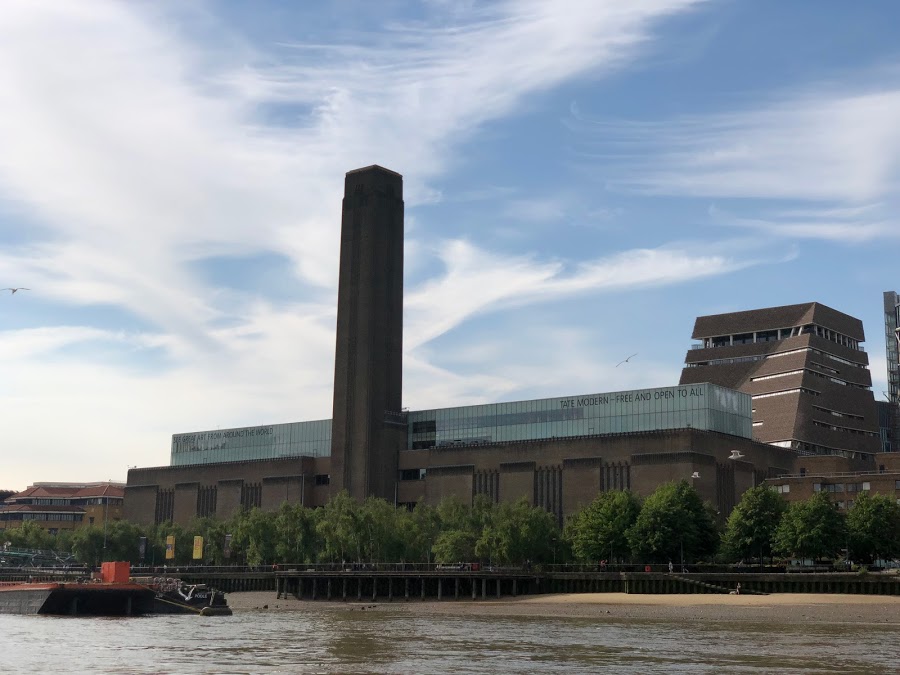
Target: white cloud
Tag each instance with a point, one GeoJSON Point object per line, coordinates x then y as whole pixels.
{"type": "Point", "coordinates": [814, 147]}
{"type": "Point", "coordinates": [476, 281]}
{"type": "Point", "coordinates": [848, 226]}
{"type": "Point", "coordinates": [131, 149]}
{"type": "Point", "coordinates": [836, 151]}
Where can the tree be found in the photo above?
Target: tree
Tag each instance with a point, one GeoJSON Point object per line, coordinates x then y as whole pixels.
{"type": "Point", "coordinates": [384, 536]}
{"type": "Point", "coordinates": [454, 546]}
{"type": "Point", "coordinates": [425, 524]}
{"type": "Point", "coordinates": [256, 533]}
{"type": "Point", "coordinates": [338, 526]}
{"type": "Point", "coordinates": [673, 523]}
{"type": "Point", "coordinates": [121, 541]}
{"type": "Point", "coordinates": [295, 534]}
{"type": "Point", "coordinates": [598, 531]}
{"type": "Point", "coordinates": [517, 532]}
{"type": "Point", "coordinates": [87, 545]}
{"type": "Point", "coordinates": [873, 527]}
{"type": "Point", "coordinates": [811, 529]}
{"type": "Point", "coordinates": [750, 532]}
{"type": "Point", "coordinates": [30, 535]}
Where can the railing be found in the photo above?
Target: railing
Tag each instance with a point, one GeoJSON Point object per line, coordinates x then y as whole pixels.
{"type": "Point", "coordinates": [842, 474]}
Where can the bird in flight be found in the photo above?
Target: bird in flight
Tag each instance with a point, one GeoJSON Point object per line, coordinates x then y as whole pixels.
{"type": "Point", "coordinates": [626, 360]}
{"type": "Point", "coordinates": [13, 290]}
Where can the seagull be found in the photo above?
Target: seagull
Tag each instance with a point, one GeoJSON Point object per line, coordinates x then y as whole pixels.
{"type": "Point", "coordinates": [696, 474]}
{"type": "Point", "coordinates": [626, 360]}
{"type": "Point", "coordinates": [13, 290]}
{"type": "Point", "coordinates": [736, 454]}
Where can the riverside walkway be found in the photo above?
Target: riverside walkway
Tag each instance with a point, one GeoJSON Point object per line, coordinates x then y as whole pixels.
{"type": "Point", "coordinates": [399, 581]}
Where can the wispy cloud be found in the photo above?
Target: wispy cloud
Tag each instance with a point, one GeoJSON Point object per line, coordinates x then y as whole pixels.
{"type": "Point", "coordinates": [134, 146]}
{"type": "Point", "coordinates": [835, 150]}
{"type": "Point", "coordinates": [477, 281]}
{"type": "Point", "coordinates": [826, 146]}
{"type": "Point", "coordinates": [848, 226]}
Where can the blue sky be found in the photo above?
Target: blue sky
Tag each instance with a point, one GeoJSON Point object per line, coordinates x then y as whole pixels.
{"type": "Point", "coordinates": [582, 179]}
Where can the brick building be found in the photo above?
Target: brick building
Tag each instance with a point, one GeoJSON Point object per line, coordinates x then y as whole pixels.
{"type": "Point", "coordinates": [558, 453]}
{"type": "Point", "coordinates": [63, 506]}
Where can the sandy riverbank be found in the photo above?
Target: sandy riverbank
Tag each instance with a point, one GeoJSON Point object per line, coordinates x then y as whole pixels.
{"type": "Point", "coordinates": [782, 607]}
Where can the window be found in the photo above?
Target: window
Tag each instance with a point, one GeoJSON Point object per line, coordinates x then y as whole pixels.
{"type": "Point", "coordinates": [425, 427]}
{"type": "Point", "coordinates": [412, 474]}
{"type": "Point", "coordinates": [866, 487]}
{"type": "Point", "coordinates": [782, 489]}
{"type": "Point", "coordinates": [323, 479]}
{"type": "Point", "coordinates": [817, 487]}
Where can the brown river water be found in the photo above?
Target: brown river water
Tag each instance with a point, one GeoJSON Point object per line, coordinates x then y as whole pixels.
{"type": "Point", "coordinates": [390, 640]}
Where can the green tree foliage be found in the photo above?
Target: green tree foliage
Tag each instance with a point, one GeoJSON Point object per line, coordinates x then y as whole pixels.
{"type": "Point", "coordinates": [296, 540]}
{"type": "Point", "coordinates": [87, 545]}
{"type": "Point", "coordinates": [516, 532]}
{"type": "Point", "coordinates": [340, 530]}
{"type": "Point", "coordinates": [873, 527]}
{"type": "Point", "coordinates": [673, 520]}
{"type": "Point", "coordinates": [811, 529]}
{"type": "Point", "coordinates": [255, 531]}
{"type": "Point", "coordinates": [29, 535]}
{"type": "Point", "coordinates": [750, 532]}
{"type": "Point", "coordinates": [461, 526]}
{"type": "Point", "coordinates": [424, 525]}
{"type": "Point", "coordinates": [598, 532]}
{"type": "Point", "coordinates": [452, 546]}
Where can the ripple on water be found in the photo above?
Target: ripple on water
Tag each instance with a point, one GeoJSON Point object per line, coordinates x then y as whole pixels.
{"type": "Point", "coordinates": [393, 641]}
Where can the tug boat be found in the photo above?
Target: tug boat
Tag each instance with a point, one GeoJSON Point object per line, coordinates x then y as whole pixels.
{"type": "Point", "coordinates": [173, 596]}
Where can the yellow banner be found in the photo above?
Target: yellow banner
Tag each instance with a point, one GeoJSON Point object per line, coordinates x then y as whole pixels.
{"type": "Point", "coordinates": [170, 547]}
{"type": "Point", "coordinates": [198, 548]}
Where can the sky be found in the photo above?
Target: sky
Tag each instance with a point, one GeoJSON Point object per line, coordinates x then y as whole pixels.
{"type": "Point", "coordinates": [582, 179]}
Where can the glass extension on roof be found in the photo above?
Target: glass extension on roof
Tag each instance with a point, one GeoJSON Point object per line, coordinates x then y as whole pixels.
{"type": "Point", "coordinates": [701, 406]}
{"type": "Point", "coordinates": [309, 439]}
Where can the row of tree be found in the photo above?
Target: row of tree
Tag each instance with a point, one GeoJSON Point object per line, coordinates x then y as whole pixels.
{"type": "Point", "coordinates": [672, 524]}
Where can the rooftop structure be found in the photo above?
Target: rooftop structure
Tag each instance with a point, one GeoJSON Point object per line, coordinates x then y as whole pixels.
{"type": "Point", "coordinates": [805, 369]}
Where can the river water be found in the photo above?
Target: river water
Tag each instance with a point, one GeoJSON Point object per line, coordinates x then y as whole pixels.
{"type": "Point", "coordinates": [392, 641]}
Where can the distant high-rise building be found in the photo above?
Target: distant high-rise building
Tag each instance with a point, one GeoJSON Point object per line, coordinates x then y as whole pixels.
{"type": "Point", "coordinates": [890, 412]}
{"type": "Point", "coordinates": [805, 370]}
{"type": "Point", "coordinates": [891, 339]}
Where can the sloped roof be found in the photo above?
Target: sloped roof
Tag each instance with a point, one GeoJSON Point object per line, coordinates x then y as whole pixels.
{"type": "Point", "coordinates": [770, 318]}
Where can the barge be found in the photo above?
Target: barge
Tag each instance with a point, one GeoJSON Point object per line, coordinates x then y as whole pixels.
{"type": "Point", "coordinates": [113, 594]}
